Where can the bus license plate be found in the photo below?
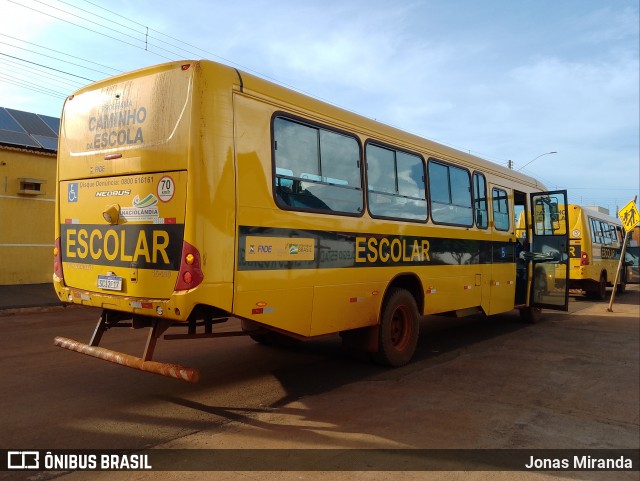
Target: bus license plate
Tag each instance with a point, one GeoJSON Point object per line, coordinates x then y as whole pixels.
{"type": "Point", "coordinates": [110, 283]}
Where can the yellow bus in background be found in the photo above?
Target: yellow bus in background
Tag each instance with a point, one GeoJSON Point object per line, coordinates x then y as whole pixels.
{"type": "Point", "coordinates": [190, 193]}
{"type": "Point", "coordinates": [632, 257]}
{"type": "Point", "coordinates": [595, 246]}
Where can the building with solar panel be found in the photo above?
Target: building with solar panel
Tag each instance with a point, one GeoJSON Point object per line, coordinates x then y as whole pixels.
{"type": "Point", "coordinates": [28, 148]}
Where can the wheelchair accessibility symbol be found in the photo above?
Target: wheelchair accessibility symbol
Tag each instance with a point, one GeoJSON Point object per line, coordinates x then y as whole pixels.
{"type": "Point", "coordinates": [72, 192]}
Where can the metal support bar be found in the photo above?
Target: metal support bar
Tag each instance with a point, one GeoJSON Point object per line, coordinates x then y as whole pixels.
{"type": "Point", "coordinates": [99, 330]}
{"type": "Point", "coordinates": [174, 371]}
{"type": "Point", "coordinates": [158, 327]}
{"type": "Point", "coordinates": [621, 265]}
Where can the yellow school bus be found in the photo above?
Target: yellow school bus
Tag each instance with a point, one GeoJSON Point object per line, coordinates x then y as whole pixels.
{"type": "Point", "coordinates": [595, 247]}
{"type": "Point", "coordinates": [190, 193]}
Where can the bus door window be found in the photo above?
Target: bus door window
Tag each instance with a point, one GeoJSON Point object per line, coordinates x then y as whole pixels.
{"type": "Point", "coordinates": [480, 200]}
{"type": "Point", "coordinates": [522, 246]}
{"type": "Point", "coordinates": [500, 209]}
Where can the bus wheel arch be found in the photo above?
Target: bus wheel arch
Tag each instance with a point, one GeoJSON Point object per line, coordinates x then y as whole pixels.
{"type": "Point", "coordinates": [367, 340]}
{"type": "Point", "coordinates": [412, 284]}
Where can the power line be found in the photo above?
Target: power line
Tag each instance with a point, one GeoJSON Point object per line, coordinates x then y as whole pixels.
{"type": "Point", "coordinates": [16, 67]}
{"type": "Point", "coordinates": [54, 58]}
{"type": "Point", "coordinates": [31, 86]}
{"type": "Point", "coordinates": [100, 16]}
{"type": "Point", "coordinates": [226, 60]}
{"type": "Point", "coordinates": [62, 53]}
{"type": "Point", "coordinates": [44, 66]}
{"type": "Point", "coordinates": [109, 27]}
{"type": "Point", "coordinates": [145, 33]}
{"type": "Point", "coordinates": [87, 28]}
{"type": "Point", "coordinates": [169, 36]}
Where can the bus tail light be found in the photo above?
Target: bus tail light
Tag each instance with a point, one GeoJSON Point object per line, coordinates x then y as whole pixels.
{"type": "Point", "coordinates": [584, 259]}
{"type": "Point", "coordinates": [57, 260]}
{"type": "Point", "coordinates": [190, 274]}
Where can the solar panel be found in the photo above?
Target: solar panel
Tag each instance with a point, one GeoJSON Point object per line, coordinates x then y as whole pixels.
{"type": "Point", "coordinates": [52, 122]}
{"type": "Point", "coordinates": [17, 138]}
{"type": "Point", "coordinates": [30, 122]}
{"type": "Point", "coordinates": [7, 122]}
{"type": "Point", "coordinates": [50, 143]}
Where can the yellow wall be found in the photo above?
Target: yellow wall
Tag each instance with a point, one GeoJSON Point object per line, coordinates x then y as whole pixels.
{"type": "Point", "coordinates": [26, 221]}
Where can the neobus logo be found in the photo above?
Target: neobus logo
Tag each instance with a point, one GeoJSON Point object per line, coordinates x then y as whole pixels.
{"type": "Point", "coordinates": [149, 246]}
{"type": "Point", "coordinates": [112, 193]}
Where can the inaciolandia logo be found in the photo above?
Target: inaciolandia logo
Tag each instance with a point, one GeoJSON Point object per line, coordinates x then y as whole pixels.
{"type": "Point", "coordinates": [145, 209]}
{"type": "Point", "coordinates": [148, 201]}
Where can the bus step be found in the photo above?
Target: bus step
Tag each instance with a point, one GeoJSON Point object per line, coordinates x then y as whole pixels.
{"type": "Point", "coordinates": [175, 371]}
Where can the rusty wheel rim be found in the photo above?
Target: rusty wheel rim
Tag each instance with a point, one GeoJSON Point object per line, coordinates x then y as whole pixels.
{"type": "Point", "coordinates": [400, 328]}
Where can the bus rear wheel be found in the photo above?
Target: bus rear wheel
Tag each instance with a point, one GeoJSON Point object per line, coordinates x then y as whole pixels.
{"type": "Point", "coordinates": [600, 292]}
{"type": "Point", "coordinates": [398, 330]}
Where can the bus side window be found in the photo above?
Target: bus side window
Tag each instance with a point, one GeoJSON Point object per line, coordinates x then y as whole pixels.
{"type": "Point", "coordinates": [596, 231]}
{"type": "Point", "coordinates": [316, 169]}
{"type": "Point", "coordinates": [500, 209]}
{"type": "Point", "coordinates": [450, 194]}
{"type": "Point", "coordinates": [395, 184]}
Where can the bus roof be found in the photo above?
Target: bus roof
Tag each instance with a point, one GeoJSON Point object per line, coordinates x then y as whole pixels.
{"type": "Point", "coordinates": [257, 85]}
{"type": "Point", "coordinates": [596, 213]}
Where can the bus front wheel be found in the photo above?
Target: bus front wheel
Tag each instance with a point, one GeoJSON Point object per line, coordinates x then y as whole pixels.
{"type": "Point", "coordinates": [530, 314]}
{"type": "Point", "coordinates": [399, 329]}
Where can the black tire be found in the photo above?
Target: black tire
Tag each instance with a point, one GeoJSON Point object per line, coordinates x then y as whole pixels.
{"type": "Point", "coordinates": [531, 315]}
{"type": "Point", "coordinates": [600, 293]}
{"type": "Point", "coordinates": [399, 329]}
{"type": "Point", "coordinates": [621, 288]}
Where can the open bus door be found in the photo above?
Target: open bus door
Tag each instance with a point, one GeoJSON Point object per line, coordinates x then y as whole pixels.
{"type": "Point", "coordinates": [549, 251]}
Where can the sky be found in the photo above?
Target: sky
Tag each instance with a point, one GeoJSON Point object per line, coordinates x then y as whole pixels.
{"type": "Point", "coordinates": [507, 80]}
